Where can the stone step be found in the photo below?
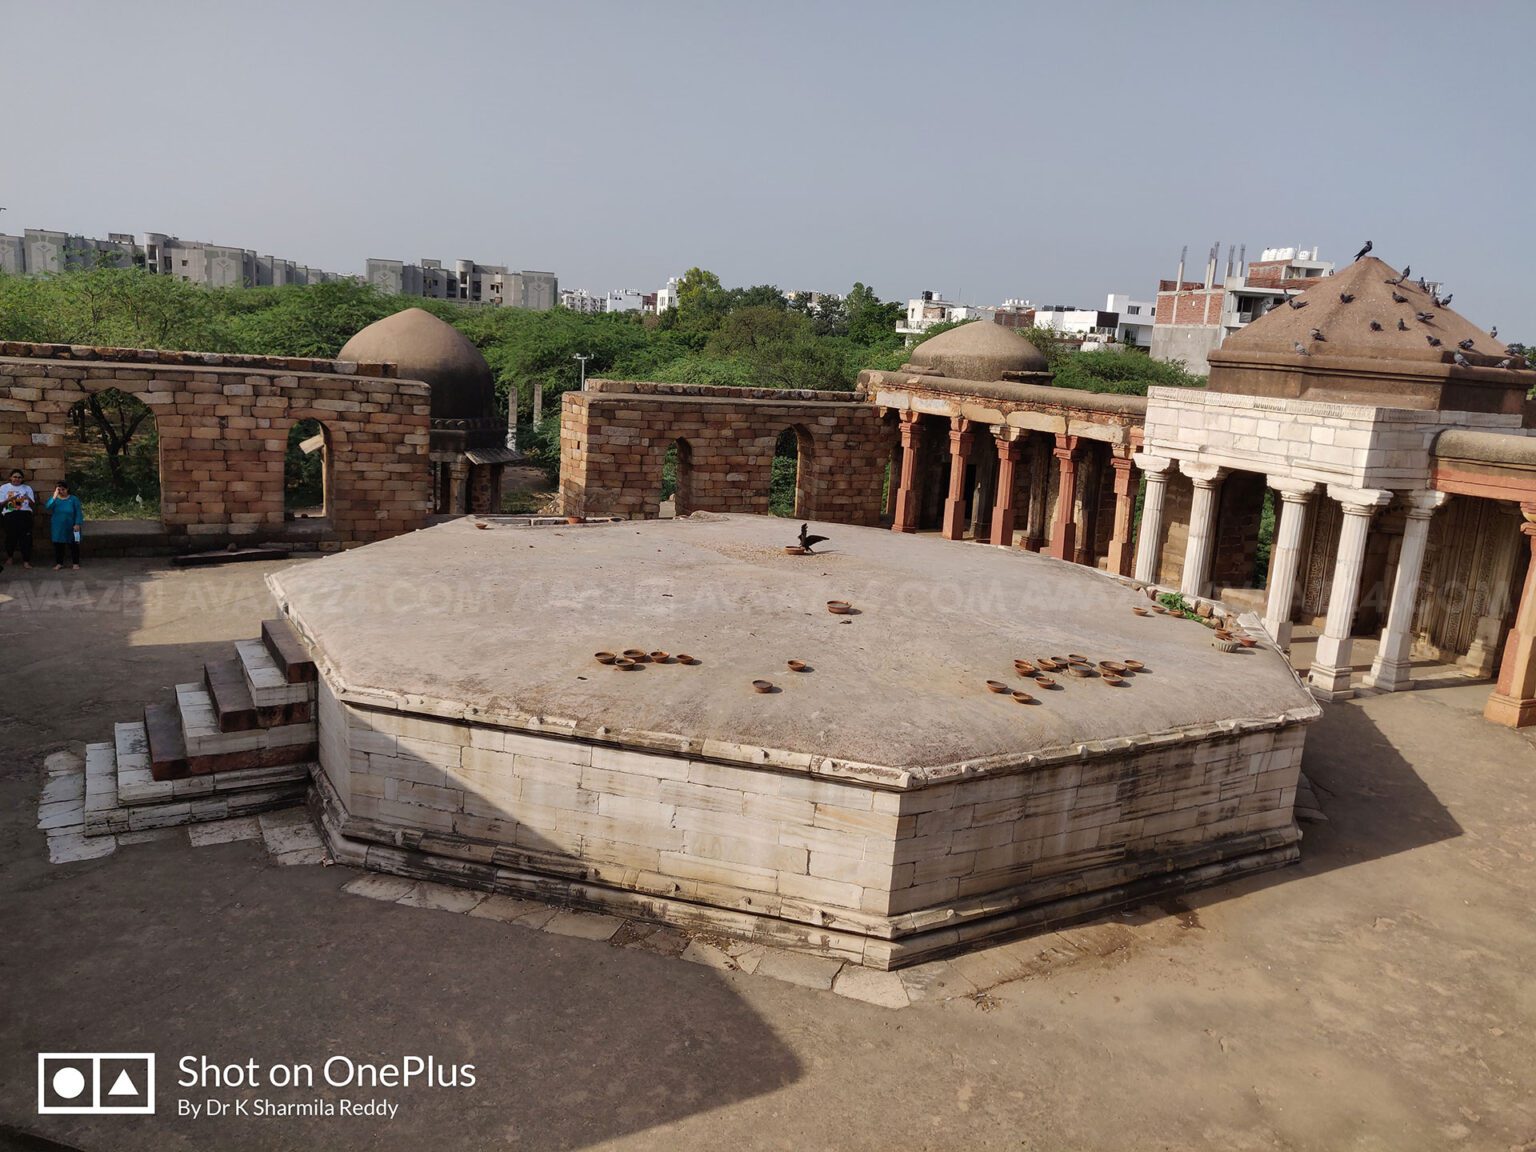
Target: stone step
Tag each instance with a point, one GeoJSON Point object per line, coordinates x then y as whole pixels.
{"type": "Point", "coordinates": [268, 683]}
{"type": "Point", "coordinates": [136, 783]}
{"type": "Point", "coordinates": [102, 813]}
{"type": "Point", "coordinates": [167, 746]}
{"type": "Point", "coordinates": [226, 683]}
{"type": "Point", "coordinates": [288, 651]}
{"type": "Point", "coordinates": [212, 750]}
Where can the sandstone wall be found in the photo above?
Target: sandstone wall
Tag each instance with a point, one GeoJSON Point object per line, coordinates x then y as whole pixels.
{"type": "Point", "coordinates": [223, 425]}
{"type": "Point", "coordinates": [614, 440]}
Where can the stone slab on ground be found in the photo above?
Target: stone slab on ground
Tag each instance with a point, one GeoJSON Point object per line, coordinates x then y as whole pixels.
{"type": "Point", "coordinates": [800, 968]}
{"type": "Point", "coordinates": [511, 910]}
{"type": "Point", "coordinates": [884, 989]}
{"type": "Point", "coordinates": [377, 887]}
{"type": "Point", "coordinates": [441, 897]}
{"type": "Point", "coordinates": [224, 831]}
{"type": "Point", "coordinates": [584, 925]}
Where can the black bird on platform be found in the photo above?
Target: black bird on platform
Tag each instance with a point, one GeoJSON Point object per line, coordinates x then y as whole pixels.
{"type": "Point", "coordinates": [1397, 298]}
{"type": "Point", "coordinates": [1465, 345]}
{"type": "Point", "coordinates": [1301, 349]}
{"type": "Point", "coordinates": [1434, 341]}
{"type": "Point", "coordinates": [1461, 361]}
{"type": "Point", "coordinates": [1375, 325]}
{"type": "Point", "coordinates": [1317, 334]}
{"type": "Point", "coordinates": [1295, 303]}
{"type": "Point", "coordinates": [1494, 331]}
{"type": "Point", "coordinates": [1363, 251]}
{"type": "Point", "coordinates": [806, 540]}
{"type": "Point", "coordinates": [1423, 317]}
{"type": "Point", "coordinates": [1401, 327]}
{"type": "Point", "coordinates": [1504, 363]}
{"type": "Point", "coordinates": [1446, 303]}
{"type": "Point", "coordinates": [1346, 297]}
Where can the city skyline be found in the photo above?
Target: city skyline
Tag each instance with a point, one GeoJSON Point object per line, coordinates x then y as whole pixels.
{"type": "Point", "coordinates": [801, 146]}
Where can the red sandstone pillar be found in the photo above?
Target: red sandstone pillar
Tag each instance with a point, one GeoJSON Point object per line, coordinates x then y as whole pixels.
{"type": "Point", "coordinates": [960, 437]}
{"type": "Point", "coordinates": [1120, 555]}
{"type": "Point", "coordinates": [1002, 508]}
{"type": "Point", "coordinates": [906, 491]}
{"type": "Point", "coordinates": [1514, 701]}
{"type": "Point", "coordinates": [1064, 530]}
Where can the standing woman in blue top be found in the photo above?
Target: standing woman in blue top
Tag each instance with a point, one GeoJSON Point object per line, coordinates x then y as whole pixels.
{"type": "Point", "coordinates": [64, 527]}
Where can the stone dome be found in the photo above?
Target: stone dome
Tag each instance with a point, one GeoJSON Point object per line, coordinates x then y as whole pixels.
{"type": "Point", "coordinates": [979, 350]}
{"type": "Point", "coordinates": [422, 347]}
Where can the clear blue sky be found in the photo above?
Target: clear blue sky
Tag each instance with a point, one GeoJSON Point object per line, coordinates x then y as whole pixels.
{"type": "Point", "coordinates": [1056, 151]}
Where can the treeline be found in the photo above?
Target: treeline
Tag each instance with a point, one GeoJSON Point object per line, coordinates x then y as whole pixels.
{"type": "Point", "coordinates": [756, 336]}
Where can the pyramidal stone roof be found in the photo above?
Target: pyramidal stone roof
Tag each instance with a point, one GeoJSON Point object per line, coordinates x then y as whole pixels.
{"type": "Point", "coordinates": [1346, 325]}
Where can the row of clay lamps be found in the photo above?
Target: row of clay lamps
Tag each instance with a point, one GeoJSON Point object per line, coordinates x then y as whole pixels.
{"type": "Point", "coordinates": [633, 659]}
{"type": "Point", "coordinates": [1115, 673]}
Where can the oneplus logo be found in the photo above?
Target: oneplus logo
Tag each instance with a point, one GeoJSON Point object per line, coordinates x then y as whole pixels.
{"type": "Point", "coordinates": [95, 1083]}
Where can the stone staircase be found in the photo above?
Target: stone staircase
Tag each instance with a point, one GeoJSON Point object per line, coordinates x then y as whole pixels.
{"type": "Point", "coordinates": [239, 742]}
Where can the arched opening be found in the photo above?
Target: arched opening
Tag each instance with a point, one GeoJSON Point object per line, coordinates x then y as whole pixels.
{"type": "Point", "coordinates": [307, 471]}
{"type": "Point", "coordinates": [676, 480]}
{"type": "Point", "coordinates": [788, 483]}
{"type": "Point", "coordinates": [112, 459]}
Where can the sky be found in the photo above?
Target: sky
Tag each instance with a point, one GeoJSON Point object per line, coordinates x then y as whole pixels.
{"type": "Point", "coordinates": [1051, 151]}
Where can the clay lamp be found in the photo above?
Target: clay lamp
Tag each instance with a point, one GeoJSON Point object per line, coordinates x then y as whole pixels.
{"type": "Point", "coordinates": [1113, 668]}
{"type": "Point", "coordinates": [793, 550]}
{"type": "Point", "coordinates": [481, 524]}
{"type": "Point", "coordinates": [1023, 698]}
{"type": "Point", "coordinates": [799, 666]}
{"type": "Point", "coordinates": [1114, 681]}
{"type": "Point", "coordinates": [1134, 665]}
{"type": "Point", "coordinates": [1247, 641]}
{"type": "Point", "coordinates": [684, 658]}
{"type": "Point", "coordinates": [604, 657]}
{"type": "Point", "coordinates": [660, 657]}
{"type": "Point", "coordinates": [1223, 634]}
{"type": "Point", "coordinates": [625, 664]}
{"type": "Point", "coordinates": [1045, 682]}
{"type": "Point", "coordinates": [1140, 611]}
{"type": "Point", "coordinates": [1023, 667]}
{"type": "Point", "coordinates": [1049, 664]}
{"type": "Point", "coordinates": [839, 607]}
{"type": "Point", "coordinates": [996, 686]}
{"type": "Point", "coordinates": [637, 655]}
{"type": "Point", "coordinates": [762, 685]}
{"type": "Point", "coordinates": [1076, 658]}
{"type": "Point", "coordinates": [1081, 671]}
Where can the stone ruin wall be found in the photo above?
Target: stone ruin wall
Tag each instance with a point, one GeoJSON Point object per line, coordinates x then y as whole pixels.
{"type": "Point", "coordinates": [223, 425]}
{"type": "Point", "coordinates": [614, 439]}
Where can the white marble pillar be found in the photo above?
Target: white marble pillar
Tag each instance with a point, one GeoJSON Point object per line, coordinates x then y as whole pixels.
{"type": "Point", "coordinates": [1285, 557]}
{"type": "Point", "coordinates": [1149, 536]}
{"type": "Point", "coordinates": [1202, 526]}
{"type": "Point", "coordinates": [1391, 671]}
{"type": "Point", "coordinates": [1329, 678]}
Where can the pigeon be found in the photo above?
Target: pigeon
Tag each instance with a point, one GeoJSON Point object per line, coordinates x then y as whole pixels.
{"type": "Point", "coordinates": [1346, 297]}
{"type": "Point", "coordinates": [1434, 341]}
{"type": "Point", "coordinates": [1505, 363]}
{"type": "Point", "coordinates": [1423, 287]}
{"type": "Point", "coordinates": [1446, 303]}
{"type": "Point", "coordinates": [1407, 268]}
{"type": "Point", "coordinates": [1375, 326]}
{"type": "Point", "coordinates": [806, 540]}
{"type": "Point", "coordinates": [1295, 303]}
{"type": "Point", "coordinates": [1461, 361]}
{"type": "Point", "coordinates": [1317, 334]}
{"type": "Point", "coordinates": [1494, 331]}
{"type": "Point", "coordinates": [1423, 317]}
{"type": "Point", "coordinates": [1399, 299]}
{"type": "Point", "coordinates": [1401, 327]}
{"type": "Point", "coordinates": [1464, 345]}
{"type": "Point", "coordinates": [1301, 349]}
{"type": "Point", "coordinates": [1364, 250]}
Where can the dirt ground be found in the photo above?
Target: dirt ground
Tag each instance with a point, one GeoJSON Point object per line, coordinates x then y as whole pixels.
{"type": "Point", "coordinates": [1380, 995]}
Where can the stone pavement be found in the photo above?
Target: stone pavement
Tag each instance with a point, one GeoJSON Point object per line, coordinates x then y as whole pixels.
{"type": "Point", "coordinates": [1374, 997]}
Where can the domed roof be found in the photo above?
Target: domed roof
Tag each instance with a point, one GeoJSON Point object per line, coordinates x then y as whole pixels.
{"type": "Point", "coordinates": [979, 350]}
{"type": "Point", "coordinates": [423, 347]}
{"type": "Point", "coordinates": [1346, 325]}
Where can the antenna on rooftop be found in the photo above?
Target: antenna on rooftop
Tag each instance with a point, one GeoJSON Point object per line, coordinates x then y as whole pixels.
{"type": "Point", "coordinates": [1242, 259]}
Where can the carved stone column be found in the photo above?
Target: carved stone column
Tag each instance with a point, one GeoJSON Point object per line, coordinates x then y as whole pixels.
{"type": "Point", "coordinates": [1295, 500]}
{"type": "Point", "coordinates": [1207, 479]}
{"type": "Point", "coordinates": [1149, 537]}
{"type": "Point", "coordinates": [1119, 560]}
{"type": "Point", "coordinates": [1329, 678]}
{"type": "Point", "coordinates": [1514, 701]}
{"type": "Point", "coordinates": [1392, 670]}
{"type": "Point", "coordinates": [1064, 529]}
{"type": "Point", "coordinates": [1007, 468]}
{"type": "Point", "coordinates": [906, 489]}
{"type": "Point", "coordinates": [960, 438]}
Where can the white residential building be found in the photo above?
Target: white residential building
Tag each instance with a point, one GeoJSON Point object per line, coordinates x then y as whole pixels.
{"type": "Point", "coordinates": [467, 281]}
{"type": "Point", "coordinates": [667, 297]}
{"type": "Point", "coordinates": [624, 300]}
{"type": "Point", "coordinates": [580, 300]}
